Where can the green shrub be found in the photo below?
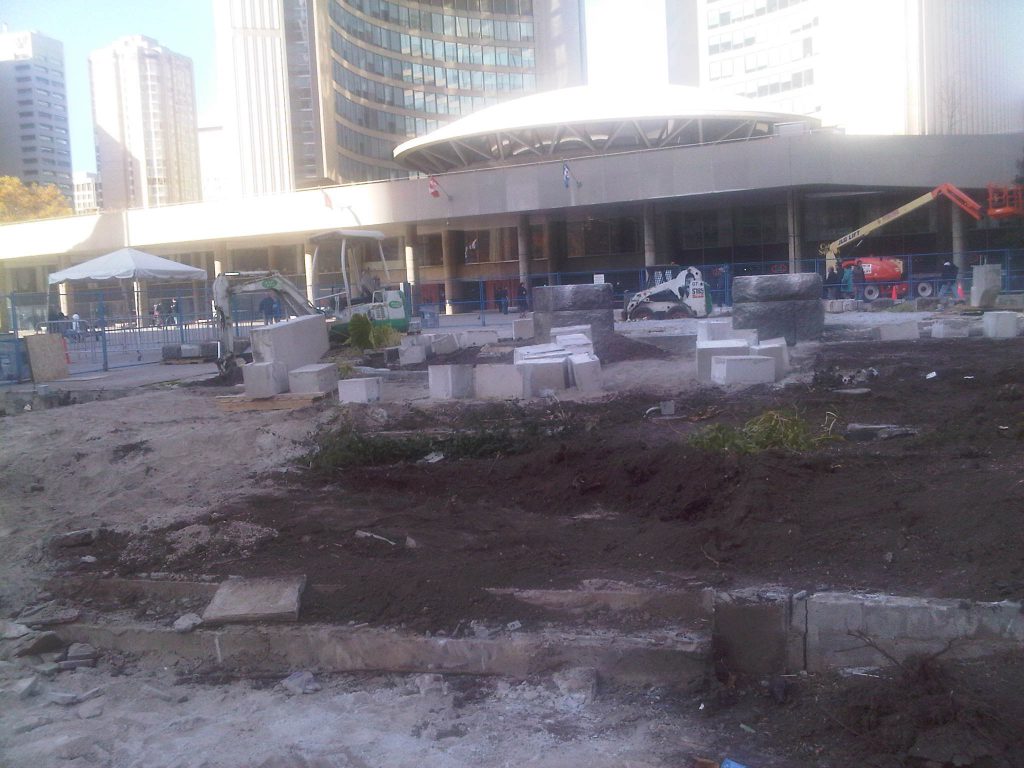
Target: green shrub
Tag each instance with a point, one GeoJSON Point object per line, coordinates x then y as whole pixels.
{"type": "Point", "coordinates": [384, 336]}
{"type": "Point", "coordinates": [359, 331]}
{"type": "Point", "coordinates": [772, 430]}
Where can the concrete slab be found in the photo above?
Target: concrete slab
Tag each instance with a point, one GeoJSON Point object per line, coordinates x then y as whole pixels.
{"type": "Point", "coordinates": [742, 370]}
{"type": "Point", "coordinates": [540, 375]}
{"type": "Point", "coordinates": [444, 344]}
{"type": "Point", "coordinates": [585, 329]}
{"type": "Point", "coordinates": [191, 350]}
{"type": "Point", "coordinates": [313, 379]}
{"type": "Point", "coordinates": [412, 355]}
{"type": "Point", "coordinates": [1000, 325]}
{"type": "Point", "coordinates": [748, 335]}
{"type": "Point", "coordinates": [296, 342]}
{"type": "Point", "coordinates": [265, 379]}
{"type": "Point", "coordinates": [575, 343]}
{"type": "Point", "coordinates": [797, 286]}
{"type": "Point", "coordinates": [245, 600]}
{"type": "Point", "coordinates": [709, 349]}
{"type": "Point", "coordinates": [950, 329]}
{"type": "Point", "coordinates": [522, 328]}
{"type": "Point", "coordinates": [585, 372]}
{"type": "Point", "coordinates": [718, 329]}
{"type": "Point", "coordinates": [362, 390]}
{"type": "Point", "coordinates": [986, 282]}
{"type": "Point", "coordinates": [498, 382]}
{"type": "Point", "coordinates": [569, 298]}
{"type": "Point", "coordinates": [538, 350]}
{"type": "Point", "coordinates": [448, 382]}
{"type": "Point", "coordinates": [478, 337]}
{"type": "Point", "coordinates": [904, 331]}
{"type": "Point", "coordinates": [796, 320]}
{"type": "Point", "coordinates": [779, 351]}
{"type": "Point", "coordinates": [754, 635]}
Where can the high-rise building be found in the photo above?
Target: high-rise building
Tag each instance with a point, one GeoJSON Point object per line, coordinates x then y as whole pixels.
{"type": "Point", "coordinates": [88, 192]}
{"type": "Point", "coordinates": [322, 91]}
{"type": "Point", "coordinates": [873, 66]}
{"type": "Point", "coordinates": [34, 142]}
{"type": "Point", "coordinates": [144, 112]}
{"type": "Point", "coordinates": [212, 161]}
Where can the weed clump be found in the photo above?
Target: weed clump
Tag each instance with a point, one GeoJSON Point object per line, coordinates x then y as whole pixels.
{"type": "Point", "coordinates": [772, 430]}
{"type": "Point", "coordinates": [348, 448]}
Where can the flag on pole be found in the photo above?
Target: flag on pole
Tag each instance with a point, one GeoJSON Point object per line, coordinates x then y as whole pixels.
{"type": "Point", "coordinates": [433, 187]}
{"type": "Point", "coordinates": [565, 174]}
{"type": "Point", "coordinates": [327, 199]}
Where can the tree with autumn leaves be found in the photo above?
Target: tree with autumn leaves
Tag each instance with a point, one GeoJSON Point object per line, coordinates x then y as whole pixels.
{"type": "Point", "coordinates": [24, 202]}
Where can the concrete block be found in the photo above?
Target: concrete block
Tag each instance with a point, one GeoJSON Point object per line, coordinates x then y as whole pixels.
{"type": "Point", "coordinates": [541, 374]}
{"type": "Point", "coordinates": [574, 330]}
{"type": "Point", "coordinates": [1010, 301]}
{"type": "Point", "coordinates": [709, 349]}
{"type": "Point", "coordinates": [499, 382]}
{"type": "Point", "coordinates": [1000, 325]}
{"type": "Point", "coordinates": [444, 344]}
{"type": "Point", "coordinates": [477, 337]}
{"type": "Point", "coordinates": [950, 329]}
{"type": "Point", "coordinates": [986, 282]}
{"type": "Point", "coordinates": [362, 390]}
{"type": "Point", "coordinates": [794, 320]}
{"type": "Point", "coordinates": [903, 331]}
{"type": "Point", "coordinates": [754, 633]}
{"type": "Point", "coordinates": [850, 305]}
{"type": "Point", "coordinates": [450, 382]}
{"type": "Point", "coordinates": [575, 343]}
{"type": "Point", "coordinates": [562, 298]}
{"type": "Point", "coordinates": [602, 322]}
{"type": "Point", "coordinates": [585, 372]}
{"type": "Point", "coordinates": [748, 335]}
{"type": "Point", "coordinates": [47, 357]}
{"type": "Point", "coordinates": [776, 349]}
{"type": "Point", "coordinates": [190, 350]}
{"type": "Point", "coordinates": [522, 328]}
{"type": "Point", "coordinates": [760, 288]}
{"type": "Point", "coordinates": [714, 330]}
{"type": "Point", "coordinates": [538, 350]}
{"type": "Point", "coordinates": [209, 350]}
{"type": "Point", "coordinates": [835, 306]}
{"type": "Point", "coordinates": [265, 379]}
{"type": "Point", "coordinates": [242, 600]}
{"type": "Point", "coordinates": [170, 352]}
{"type": "Point", "coordinates": [313, 379]}
{"type": "Point", "coordinates": [742, 369]}
{"type": "Point", "coordinates": [412, 355]}
{"type": "Point", "coordinates": [296, 342]}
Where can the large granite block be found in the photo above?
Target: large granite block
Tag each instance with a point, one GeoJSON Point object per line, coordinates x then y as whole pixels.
{"type": "Point", "coordinates": [760, 288]}
{"type": "Point", "coordinates": [561, 298]}
{"type": "Point", "coordinates": [295, 343]}
{"type": "Point", "coordinates": [792, 320]}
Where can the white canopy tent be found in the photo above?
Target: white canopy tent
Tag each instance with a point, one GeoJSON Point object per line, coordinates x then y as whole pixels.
{"type": "Point", "coordinates": [126, 264]}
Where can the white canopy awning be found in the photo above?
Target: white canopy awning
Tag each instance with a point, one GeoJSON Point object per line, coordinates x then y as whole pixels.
{"type": "Point", "coordinates": [130, 264]}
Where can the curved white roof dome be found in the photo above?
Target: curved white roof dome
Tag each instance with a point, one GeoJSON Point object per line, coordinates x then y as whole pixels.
{"type": "Point", "coordinates": [589, 120]}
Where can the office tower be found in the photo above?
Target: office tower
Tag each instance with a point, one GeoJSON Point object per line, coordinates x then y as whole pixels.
{"type": "Point", "coordinates": [88, 192]}
{"type": "Point", "coordinates": [872, 66]}
{"type": "Point", "coordinates": [144, 112]}
{"type": "Point", "coordinates": [34, 143]}
{"type": "Point", "coordinates": [322, 91]}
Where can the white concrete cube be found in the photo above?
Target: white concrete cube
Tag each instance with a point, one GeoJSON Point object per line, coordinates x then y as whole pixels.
{"type": "Point", "coordinates": [585, 372]}
{"type": "Point", "coordinates": [265, 379]}
{"type": "Point", "coordinates": [412, 355]}
{"type": "Point", "coordinates": [538, 350]}
{"type": "Point", "coordinates": [714, 330]}
{"type": "Point", "coordinates": [723, 347]}
{"type": "Point", "coordinates": [296, 342]}
{"type": "Point", "coordinates": [1000, 325]}
{"type": "Point", "coordinates": [541, 374]}
{"type": "Point", "coordinates": [450, 382]}
{"type": "Point", "coordinates": [444, 344]}
{"type": "Point", "coordinates": [903, 331]}
{"type": "Point", "coordinates": [575, 343]}
{"type": "Point", "coordinates": [478, 337]}
{"type": "Point", "coordinates": [522, 328]}
{"type": "Point", "coordinates": [950, 329]}
{"type": "Point", "coordinates": [363, 390]}
{"type": "Point", "coordinates": [191, 350]}
{"type": "Point", "coordinates": [742, 369]}
{"type": "Point", "coordinates": [564, 330]}
{"type": "Point", "coordinates": [313, 379]}
{"type": "Point", "coordinates": [497, 381]}
{"type": "Point", "coordinates": [778, 351]}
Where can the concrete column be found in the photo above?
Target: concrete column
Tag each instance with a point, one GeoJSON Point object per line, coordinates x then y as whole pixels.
{"type": "Point", "coordinates": [412, 268]}
{"type": "Point", "coordinates": [41, 284]}
{"type": "Point", "coordinates": [547, 245]}
{"type": "Point", "coordinates": [449, 261]}
{"type": "Point", "coordinates": [222, 259]}
{"type": "Point", "coordinates": [957, 227]}
{"type": "Point", "coordinates": [65, 292]}
{"type": "Point", "coordinates": [523, 232]}
{"type": "Point", "coordinates": [309, 272]}
{"type": "Point", "coordinates": [141, 298]}
{"type": "Point", "coordinates": [5, 309]}
{"type": "Point", "coordinates": [199, 286]}
{"type": "Point", "coordinates": [650, 250]}
{"type": "Point", "coordinates": [793, 225]}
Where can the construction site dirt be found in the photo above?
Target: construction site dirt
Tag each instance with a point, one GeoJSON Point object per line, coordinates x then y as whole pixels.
{"type": "Point", "coordinates": [451, 504]}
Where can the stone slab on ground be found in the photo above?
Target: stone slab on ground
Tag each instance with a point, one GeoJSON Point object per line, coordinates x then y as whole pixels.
{"type": "Point", "coordinates": [1010, 301]}
{"type": "Point", "coordinates": [493, 381]}
{"type": "Point", "coordinates": [540, 375]}
{"type": "Point", "coordinates": [585, 372]}
{"type": "Point", "coordinates": [478, 337]}
{"type": "Point", "coordinates": [47, 357]}
{"type": "Point", "coordinates": [296, 342]}
{"type": "Point", "coordinates": [448, 382]}
{"type": "Point", "coordinates": [313, 379]}
{"type": "Point", "coordinates": [749, 335]}
{"type": "Point", "coordinates": [265, 379]}
{"type": "Point", "coordinates": [191, 350]}
{"type": "Point", "coordinates": [1000, 325]}
{"type": "Point", "coordinates": [522, 328]}
{"type": "Point", "coordinates": [360, 390]}
{"type": "Point", "coordinates": [412, 355]}
{"type": "Point", "coordinates": [550, 350]}
{"type": "Point", "coordinates": [776, 349]}
{"type": "Point", "coordinates": [170, 352]}
{"type": "Point", "coordinates": [714, 330]}
{"type": "Point", "coordinates": [444, 344]}
{"type": "Point", "coordinates": [706, 350]}
{"type": "Point", "coordinates": [802, 320]}
{"type": "Point", "coordinates": [561, 298]}
{"type": "Point", "coordinates": [585, 329]}
{"type": "Point", "coordinates": [742, 370]}
{"type": "Point", "coordinates": [951, 329]}
{"type": "Point", "coordinates": [243, 600]}
{"type": "Point", "coordinates": [903, 331]}
{"type": "Point", "coordinates": [575, 343]}
{"type": "Point", "coordinates": [761, 288]}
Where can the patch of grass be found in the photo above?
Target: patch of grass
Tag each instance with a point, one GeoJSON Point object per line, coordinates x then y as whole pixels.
{"type": "Point", "coordinates": [772, 430]}
{"type": "Point", "coordinates": [384, 336]}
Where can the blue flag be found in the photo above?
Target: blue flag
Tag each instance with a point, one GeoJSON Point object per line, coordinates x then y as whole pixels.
{"type": "Point", "coordinates": [565, 174]}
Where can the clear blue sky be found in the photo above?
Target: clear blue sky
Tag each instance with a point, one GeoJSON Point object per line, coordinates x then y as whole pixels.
{"type": "Point", "coordinates": [186, 27]}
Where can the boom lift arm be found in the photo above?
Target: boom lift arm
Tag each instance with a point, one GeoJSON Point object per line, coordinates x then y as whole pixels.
{"type": "Point", "coordinates": [961, 199]}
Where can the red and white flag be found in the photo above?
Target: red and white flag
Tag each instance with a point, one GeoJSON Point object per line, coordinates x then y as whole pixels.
{"type": "Point", "coordinates": [433, 187]}
{"type": "Point", "coordinates": [327, 199]}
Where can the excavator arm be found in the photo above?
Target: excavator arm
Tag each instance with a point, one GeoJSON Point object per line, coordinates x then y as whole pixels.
{"type": "Point", "coordinates": [961, 199]}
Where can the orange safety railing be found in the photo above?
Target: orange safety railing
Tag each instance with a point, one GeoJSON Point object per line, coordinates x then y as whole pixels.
{"type": "Point", "coordinates": [1005, 202]}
